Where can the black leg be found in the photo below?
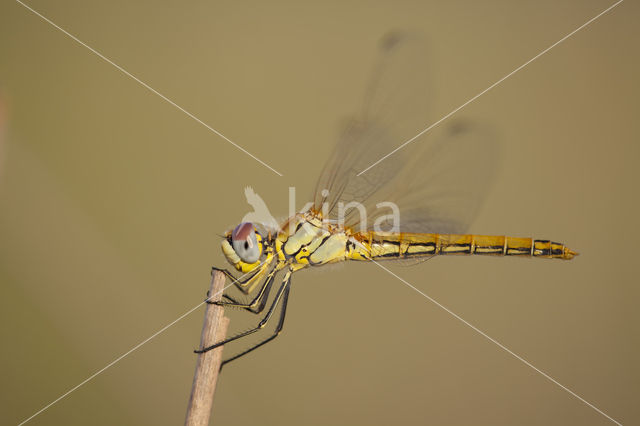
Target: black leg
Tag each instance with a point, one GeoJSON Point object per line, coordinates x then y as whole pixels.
{"type": "Point", "coordinates": [283, 311]}
{"type": "Point", "coordinates": [239, 283]}
{"type": "Point", "coordinates": [261, 324]}
{"type": "Point", "coordinates": [224, 271]}
{"type": "Point", "coordinates": [258, 303]}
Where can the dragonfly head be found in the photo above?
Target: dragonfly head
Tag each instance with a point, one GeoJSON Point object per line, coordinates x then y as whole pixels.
{"type": "Point", "coordinates": [243, 247]}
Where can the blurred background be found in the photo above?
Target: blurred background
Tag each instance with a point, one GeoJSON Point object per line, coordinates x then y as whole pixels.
{"type": "Point", "coordinates": [112, 202]}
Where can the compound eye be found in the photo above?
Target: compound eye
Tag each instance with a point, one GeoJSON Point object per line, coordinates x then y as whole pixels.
{"type": "Point", "coordinates": [245, 243]}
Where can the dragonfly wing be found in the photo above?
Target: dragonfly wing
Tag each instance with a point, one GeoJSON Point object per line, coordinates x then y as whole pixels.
{"type": "Point", "coordinates": [391, 110]}
{"type": "Point", "coordinates": [441, 189]}
{"type": "Point", "coordinates": [437, 181]}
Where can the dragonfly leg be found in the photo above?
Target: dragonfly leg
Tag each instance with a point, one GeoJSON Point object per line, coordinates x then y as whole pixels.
{"type": "Point", "coordinates": [261, 324]}
{"type": "Point", "coordinates": [240, 283]}
{"type": "Point", "coordinates": [258, 303]}
{"type": "Point", "coordinates": [278, 330]}
{"type": "Point", "coordinates": [229, 275]}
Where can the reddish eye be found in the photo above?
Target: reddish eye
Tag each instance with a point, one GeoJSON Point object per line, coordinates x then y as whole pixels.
{"type": "Point", "coordinates": [245, 243]}
{"type": "Point", "coordinates": [242, 231]}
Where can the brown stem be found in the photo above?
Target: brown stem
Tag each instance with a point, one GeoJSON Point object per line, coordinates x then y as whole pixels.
{"type": "Point", "coordinates": [214, 330]}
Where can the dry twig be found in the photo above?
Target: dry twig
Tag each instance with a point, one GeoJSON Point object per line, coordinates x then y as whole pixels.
{"type": "Point", "coordinates": [214, 329]}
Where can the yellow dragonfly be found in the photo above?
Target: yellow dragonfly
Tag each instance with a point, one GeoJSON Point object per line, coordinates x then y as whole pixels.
{"type": "Point", "coordinates": [413, 205]}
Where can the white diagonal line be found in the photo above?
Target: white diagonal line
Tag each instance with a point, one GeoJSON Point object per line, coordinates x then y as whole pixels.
{"type": "Point", "coordinates": [500, 345]}
{"type": "Point", "coordinates": [128, 74]}
{"type": "Point", "coordinates": [163, 329]}
{"type": "Point", "coordinates": [492, 86]}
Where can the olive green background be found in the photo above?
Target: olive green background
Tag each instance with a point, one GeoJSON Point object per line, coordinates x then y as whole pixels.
{"type": "Point", "coordinates": [112, 201]}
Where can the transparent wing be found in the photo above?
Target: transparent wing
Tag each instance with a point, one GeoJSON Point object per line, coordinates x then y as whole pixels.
{"type": "Point", "coordinates": [437, 181]}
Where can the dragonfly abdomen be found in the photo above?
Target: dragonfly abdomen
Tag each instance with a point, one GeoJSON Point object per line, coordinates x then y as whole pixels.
{"type": "Point", "coordinates": [504, 246]}
{"type": "Point", "coordinates": [405, 245]}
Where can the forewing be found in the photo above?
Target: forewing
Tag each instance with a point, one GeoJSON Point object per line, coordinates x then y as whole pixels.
{"type": "Point", "coordinates": [437, 181]}
{"type": "Point", "coordinates": [395, 105]}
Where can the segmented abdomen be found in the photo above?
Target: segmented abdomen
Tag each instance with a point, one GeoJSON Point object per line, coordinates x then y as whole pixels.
{"type": "Point", "coordinates": [405, 245]}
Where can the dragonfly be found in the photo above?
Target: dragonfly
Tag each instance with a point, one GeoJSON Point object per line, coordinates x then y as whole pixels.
{"type": "Point", "coordinates": [433, 189]}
